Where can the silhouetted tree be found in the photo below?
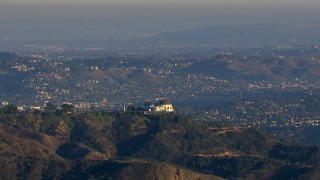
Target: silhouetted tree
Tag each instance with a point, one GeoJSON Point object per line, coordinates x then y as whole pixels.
{"type": "Point", "coordinates": [10, 109]}
{"type": "Point", "coordinates": [50, 108]}
{"type": "Point", "coordinates": [67, 108]}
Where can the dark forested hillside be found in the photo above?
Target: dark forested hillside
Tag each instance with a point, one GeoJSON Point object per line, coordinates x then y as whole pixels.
{"type": "Point", "coordinates": [118, 144]}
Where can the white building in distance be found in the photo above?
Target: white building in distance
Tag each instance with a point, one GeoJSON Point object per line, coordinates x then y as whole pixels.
{"type": "Point", "coordinates": [159, 105]}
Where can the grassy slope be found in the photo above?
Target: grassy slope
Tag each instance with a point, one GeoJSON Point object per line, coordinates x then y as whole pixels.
{"type": "Point", "coordinates": [64, 145]}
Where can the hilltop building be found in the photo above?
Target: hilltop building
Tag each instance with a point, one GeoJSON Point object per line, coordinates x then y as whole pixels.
{"type": "Point", "coordinates": [159, 105]}
{"type": "Point", "coordinates": [5, 103]}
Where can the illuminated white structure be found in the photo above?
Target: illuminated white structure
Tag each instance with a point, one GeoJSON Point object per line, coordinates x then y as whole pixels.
{"type": "Point", "coordinates": [160, 105]}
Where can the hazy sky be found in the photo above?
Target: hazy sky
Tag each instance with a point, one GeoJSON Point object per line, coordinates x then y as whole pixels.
{"type": "Point", "coordinates": [159, 15]}
{"type": "Point", "coordinates": [102, 8]}
{"type": "Point", "coordinates": [155, 1]}
{"type": "Point", "coordinates": [16, 8]}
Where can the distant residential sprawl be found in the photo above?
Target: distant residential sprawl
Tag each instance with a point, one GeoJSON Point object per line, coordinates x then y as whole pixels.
{"type": "Point", "coordinates": [267, 87]}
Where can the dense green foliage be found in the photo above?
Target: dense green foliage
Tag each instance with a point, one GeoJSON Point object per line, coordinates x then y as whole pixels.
{"type": "Point", "coordinates": [9, 110]}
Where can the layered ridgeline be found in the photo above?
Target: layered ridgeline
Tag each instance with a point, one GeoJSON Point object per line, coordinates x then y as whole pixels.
{"type": "Point", "coordinates": [119, 145]}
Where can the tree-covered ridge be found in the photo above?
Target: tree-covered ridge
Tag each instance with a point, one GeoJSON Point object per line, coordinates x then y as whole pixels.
{"type": "Point", "coordinates": [97, 137]}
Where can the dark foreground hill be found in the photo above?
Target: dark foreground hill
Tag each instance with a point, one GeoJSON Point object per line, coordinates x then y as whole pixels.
{"type": "Point", "coordinates": [102, 145]}
{"type": "Point", "coordinates": [26, 154]}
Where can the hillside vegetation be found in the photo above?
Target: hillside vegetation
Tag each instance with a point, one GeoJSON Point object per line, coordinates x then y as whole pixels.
{"type": "Point", "coordinates": [103, 145]}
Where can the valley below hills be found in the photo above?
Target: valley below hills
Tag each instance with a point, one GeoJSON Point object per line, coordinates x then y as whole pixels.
{"type": "Point", "coordinates": [131, 78]}
{"type": "Point", "coordinates": [123, 145]}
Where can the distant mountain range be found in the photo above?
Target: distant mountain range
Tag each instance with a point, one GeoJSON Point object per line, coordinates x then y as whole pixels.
{"type": "Point", "coordinates": [245, 35]}
{"type": "Point", "coordinates": [90, 35]}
